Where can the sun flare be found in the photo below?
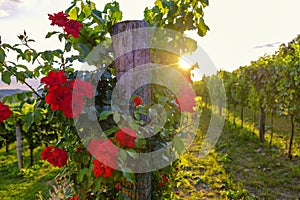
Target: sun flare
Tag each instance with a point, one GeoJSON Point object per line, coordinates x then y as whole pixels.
{"type": "Point", "coordinates": [184, 65]}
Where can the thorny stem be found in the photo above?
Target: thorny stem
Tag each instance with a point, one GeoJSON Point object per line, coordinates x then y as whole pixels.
{"type": "Point", "coordinates": [25, 43]}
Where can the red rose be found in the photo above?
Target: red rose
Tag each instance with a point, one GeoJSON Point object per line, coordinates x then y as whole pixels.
{"type": "Point", "coordinates": [59, 97]}
{"type": "Point", "coordinates": [104, 151]}
{"type": "Point", "coordinates": [66, 97]}
{"type": "Point", "coordinates": [137, 101]}
{"type": "Point", "coordinates": [47, 152]}
{"type": "Point", "coordinates": [56, 156]}
{"type": "Point", "coordinates": [82, 88]}
{"type": "Point", "coordinates": [161, 184]}
{"type": "Point", "coordinates": [126, 137]}
{"type": "Point", "coordinates": [72, 27]}
{"type": "Point", "coordinates": [60, 19]}
{"type": "Point", "coordinates": [101, 169]}
{"type": "Point", "coordinates": [73, 107]}
{"type": "Point", "coordinates": [5, 112]}
{"type": "Point", "coordinates": [55, 78]}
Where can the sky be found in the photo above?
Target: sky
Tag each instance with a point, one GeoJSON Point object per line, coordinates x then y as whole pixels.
{"type": "Point", "coordinates": [240, 30]}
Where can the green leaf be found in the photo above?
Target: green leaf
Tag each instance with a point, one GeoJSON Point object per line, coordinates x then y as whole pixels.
{"type": "Point", "coordinates": [204, 3]}
{"type": "Point", "coordinates": [86, 10]}
{"type": "Point", "coordinates": [158, 3]}
{"type": "Point", "coordinates": [49, 34]}
{"type": "Point", "coordinates": [140, 143]}
{"type": "Point", "coordinates": [35, 57]}
{"type": "Point", "coordinates": [97, 183]}
{"type": "Point", "coordinates": [85, 50]}
{"type": "Point", "coordinates": [202, 28]}
{"type": "Point", "coordinates": [22, 66]}
{"type": "Point", "coordinates": [98, 16]}
{"type": "Point", "coordinates": [38, 115]}
{"type": "Point", "coordinates": [129, 176]}
{"type": "Point", "coordinates": [48, 55]}
{"type": "Point", "coordinates": [6, 77]}
{"type": "Point", "coordinates": [21, 96]}
{"type": "Point", "coordinates": [60, 36]}
{"type": "Point", "coordinates": [81, 174]}
{"type": "Point", "coordinates": [104, 114]}
{"type": "Point", "coordinates": [2, 55]}
{"type": "Point", "coordinates": [28, 121]}
{"type": "Point", "coordinates": [137, 116]}
{"type": "Point", "coordinates": [111, 131]}
{"type": "Point", "coordinates": [117, 16]}
{"type": "Point", "coordinates": [73, 14]}
{"type": "Point", "coordinates": [20, 76]}
{"type": "Point", "coordinates": [117, 117]}
{"type": "Point", "coordinates": [7, 46]}
{"type": "Point", "coordinates": [68, 46]}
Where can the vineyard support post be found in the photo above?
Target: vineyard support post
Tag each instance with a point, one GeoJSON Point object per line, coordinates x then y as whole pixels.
{"type": "Point", "coordinates": [19, 144]}
{"type": "Point", "coordinates": [141, 189]}
{"type": "Point", "coordinates": [262, 124]}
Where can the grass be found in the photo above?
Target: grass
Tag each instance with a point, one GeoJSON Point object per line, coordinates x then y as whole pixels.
{"type": "Point", "coordinates": [238, 167]}
{"type": "Point", "coordinates": [25, 184]}
{"type": "Point", "coordinates": [208, 177]}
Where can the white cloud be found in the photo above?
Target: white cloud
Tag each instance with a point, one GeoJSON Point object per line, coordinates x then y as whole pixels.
{"type": "Point", "coordinates": [9, 7]}
{"type": "Point", "coordinates": [4, 13]}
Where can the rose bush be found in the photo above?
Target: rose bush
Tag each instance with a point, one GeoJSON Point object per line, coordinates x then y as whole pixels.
{"type": "Point", "coordinates": [66, 97]}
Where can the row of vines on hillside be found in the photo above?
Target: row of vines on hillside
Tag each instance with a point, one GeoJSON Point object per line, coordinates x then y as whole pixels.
{"type": "Point", "coordinates": [270, 84]}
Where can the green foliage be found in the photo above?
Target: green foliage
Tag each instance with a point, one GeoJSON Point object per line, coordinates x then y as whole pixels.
{"type": "Point", "coordinates": [178, 15]}
{"type": "Point", "coordinates": [40, 124]}
{"type": "Point", "coordinates": [271, 83]}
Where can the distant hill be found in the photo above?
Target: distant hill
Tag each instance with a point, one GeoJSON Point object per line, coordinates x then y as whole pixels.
{"type": "Point", "coordinates": [9, 92]}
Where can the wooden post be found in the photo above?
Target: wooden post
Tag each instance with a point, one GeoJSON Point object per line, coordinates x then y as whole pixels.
{"type": "Point", "coordinates": [19, 144]}
{"type": "Point", "coordinates": [242, 115]}
{"type": "Point", "coordinates": [262, 124]}
{"type": "Point", "coordinates": [292, 137]}
{"type": "Point", "coordinates": [137, 42]}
